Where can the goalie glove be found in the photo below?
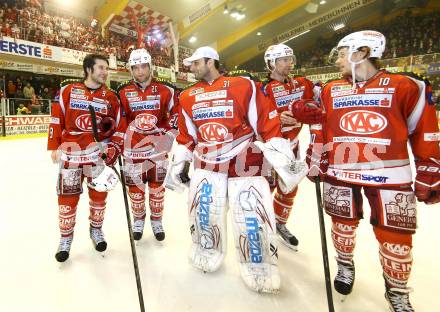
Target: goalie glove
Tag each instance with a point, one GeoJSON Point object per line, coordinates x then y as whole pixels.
{"type": "Point", "coordinates": [289, 171]}
{"type": "Point", "coordinates": [177, 174]}
{"type": "Point", "coordinates": [427, 183]}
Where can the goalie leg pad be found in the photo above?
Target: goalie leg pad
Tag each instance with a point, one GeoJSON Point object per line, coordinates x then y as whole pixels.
{"type": "Point", "coordinates": [207, 219]}
{"type": "Point", "coordinates": [255, 234]}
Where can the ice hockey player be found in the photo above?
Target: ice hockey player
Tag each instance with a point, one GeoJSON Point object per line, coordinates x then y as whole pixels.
{"type": "Point", "coordinates": [371, 115]}
{"type": "Point", "coordinates": [73, 146]}
{"type": "Point", "coordinates": [288, 93]}
{"type": "Point", "coordinates": [149, 105]}
{"type": "Point", "coordinates": [219, 118]}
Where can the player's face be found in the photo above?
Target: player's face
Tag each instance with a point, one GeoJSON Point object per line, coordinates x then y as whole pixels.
{"type": "Point", "coordinates": [283, 65]}
{"type": "Point", "coordinates": [100, 72]}
{"type": "Point", "coordinates": [342, 62]}
{"type": "Point", "coordinates": [141, 72]}
{"type": "Point", "coordinates": [199, 68]}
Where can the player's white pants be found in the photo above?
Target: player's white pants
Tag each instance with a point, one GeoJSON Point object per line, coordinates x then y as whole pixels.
{"type": "Point", "coordinates": [253, 221]}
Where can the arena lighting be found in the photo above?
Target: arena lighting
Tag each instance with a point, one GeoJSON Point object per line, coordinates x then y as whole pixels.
{"type": "Point", "coordinates": [296, 36]}
{"type": "Point", "coordinates": [240, 17]}
{"type": "Point", "coordinates": [192, 39]}
{"type": "Point", "coordinates": [225, 10]}
{"type": "Point", "coordinates": [259, 33]}
{"type": "Point", "coordinates": [338, 26]}
{"type": "Point", "coordinates": [322, 2]}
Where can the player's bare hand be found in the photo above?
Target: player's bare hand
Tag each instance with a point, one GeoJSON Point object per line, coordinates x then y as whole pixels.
{"type": "Point", "coordinates": [287, 119]}
{"type": "Point", "coordinates": [55, 155]}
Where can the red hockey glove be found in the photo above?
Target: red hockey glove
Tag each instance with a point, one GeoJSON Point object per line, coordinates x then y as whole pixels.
{"type": "Point", "coordinates": [317, 161]}
{"type": "Point", "coordinates": [427, 184]}
{"type": "Point", "coordinates": [307, 111]}
{"type": "Point", "coordinates": [112, 152]}
{"type": "Point", "coordinates": [106, 128]}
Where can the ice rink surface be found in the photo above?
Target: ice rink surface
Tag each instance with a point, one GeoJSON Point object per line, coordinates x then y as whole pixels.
{"type": "Point", "coordinates": [32, 280]}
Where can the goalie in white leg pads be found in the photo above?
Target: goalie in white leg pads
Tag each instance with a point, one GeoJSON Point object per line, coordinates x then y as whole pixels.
{"type": "Point", "coordinates": [219, 118]}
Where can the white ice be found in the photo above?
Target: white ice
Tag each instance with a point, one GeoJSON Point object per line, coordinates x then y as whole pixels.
{"type": "Point", "coordinates": [32, 280]}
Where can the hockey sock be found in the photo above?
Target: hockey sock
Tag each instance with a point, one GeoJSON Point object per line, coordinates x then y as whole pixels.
{"type": "Point", "coordinates": [395, 256]}
{"type": "Point", "coordinates": [344, 238]}
{"type": "Point", "coordinates": [282, 204]}
{"type": "Point", "coordinates": [137, 199]}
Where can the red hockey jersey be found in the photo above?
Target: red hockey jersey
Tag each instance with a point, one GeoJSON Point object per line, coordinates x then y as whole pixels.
{"type": "Point", "coordinates": [218, 120]}
{"type": "Point", "coordinates": [149, 112]}
{"type": "Point", "coordinates": [71, 125]}
{"type": "Point", "coordinates": [283, 93]}
{"type": "Point", "coordinates": [369, 127]}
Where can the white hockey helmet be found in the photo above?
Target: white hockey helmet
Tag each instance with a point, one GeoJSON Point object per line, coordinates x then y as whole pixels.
{"type": "Point", "coordinates": [275, 52]}
{"type": "Point", "coordinates": [354, 41]}
{"type": "Point", "coordinates": [366, 38]}
{"type": "Point", "coordinates": [139, 56]}
{"type": "Point", "coordinates": [104, 181]}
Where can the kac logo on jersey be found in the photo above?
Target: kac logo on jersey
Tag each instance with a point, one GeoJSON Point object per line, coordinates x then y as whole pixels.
{"type": "Point", "coordinates": [213, 132]}
{"type": "Point", "coordinates": [84, 122]}
{"type": "Point", "coordinates": [213, 112]}
{"type": "Point", "coordinates": [253, 236]}
{"type": "Point", "coordinates": [205, 203]}
{"type": "Point", "coordinates": [145, 122]}
{"type": "Point", "coordinates": [363, 122]}
{"type": "Point", "coordinates": [363, 100]}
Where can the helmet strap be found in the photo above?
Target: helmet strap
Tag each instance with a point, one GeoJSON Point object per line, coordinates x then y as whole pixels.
{"type": "Point", "coordinates": [353, 67]}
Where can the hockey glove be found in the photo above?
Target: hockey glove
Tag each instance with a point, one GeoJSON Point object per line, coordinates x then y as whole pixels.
{"type": "Point", "coordinates": [317, 161]}
{"type": "Point", "coordinates": [427, 184]}
{"type": "Point", "coordinates": [307, 111]}
{"type": "Point", "coordinates": [112, 152]}
{"type": "Point", "coordinates": [106, 128]}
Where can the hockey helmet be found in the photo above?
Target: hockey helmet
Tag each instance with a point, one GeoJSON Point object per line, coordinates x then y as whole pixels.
{"type": "Point", "coordinates": [139, 56]}
{"type": "Point", "coordinates": [275, 52]}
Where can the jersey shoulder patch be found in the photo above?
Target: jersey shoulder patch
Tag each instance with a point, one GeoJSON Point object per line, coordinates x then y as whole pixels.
{"type": "Point", "coordinates": [66, 82]}
{"type": "Point", "coordinates": [123, 85]}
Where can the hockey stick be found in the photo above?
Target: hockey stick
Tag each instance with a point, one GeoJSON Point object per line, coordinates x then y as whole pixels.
{"type": "Point", "coordinates": [328, 285]}
{"type": "Point", "coordinates": [130, 231]}
{"type": "Point", "coordinates": [127, 210]}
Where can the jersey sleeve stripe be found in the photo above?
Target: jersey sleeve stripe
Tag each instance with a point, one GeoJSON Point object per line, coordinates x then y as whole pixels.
{"type": "Point", "coordinates": [190, 126]}
{"type": "Point", "coordinates": [416, 114]}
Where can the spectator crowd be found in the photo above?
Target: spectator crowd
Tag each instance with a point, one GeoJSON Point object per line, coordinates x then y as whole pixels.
{"type": "Point", "coordinates": [27, 20]}
{"type": "Point", "coordinates": [406, 34]}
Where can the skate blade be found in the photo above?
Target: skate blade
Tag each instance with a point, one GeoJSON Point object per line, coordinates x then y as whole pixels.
{"type": "Point", "coordinates": [290, 246]}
